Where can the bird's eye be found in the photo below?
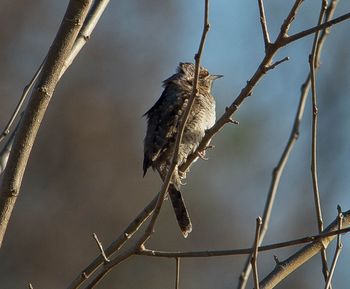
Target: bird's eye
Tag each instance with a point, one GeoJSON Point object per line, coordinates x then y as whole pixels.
{"type": "Point", "coordinates": [204, 73]}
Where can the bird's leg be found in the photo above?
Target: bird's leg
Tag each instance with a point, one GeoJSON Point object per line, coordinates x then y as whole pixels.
{"type": "Point", "coordinates": [201, 154]}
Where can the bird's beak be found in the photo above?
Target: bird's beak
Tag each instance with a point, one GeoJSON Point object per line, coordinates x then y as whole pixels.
{"type": "Point", "coordinates": [216, 76]}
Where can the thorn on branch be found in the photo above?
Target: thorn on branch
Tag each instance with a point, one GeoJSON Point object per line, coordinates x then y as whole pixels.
{"type": "Point", "coordinates": [99, 244]}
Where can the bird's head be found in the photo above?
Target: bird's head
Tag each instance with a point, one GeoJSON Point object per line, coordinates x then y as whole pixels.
{"type": "Point", "coordinates": [205, 80]}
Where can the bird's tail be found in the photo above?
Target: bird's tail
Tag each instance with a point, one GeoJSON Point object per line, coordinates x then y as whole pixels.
{"type": "Point", "coordinates": [181, 212]}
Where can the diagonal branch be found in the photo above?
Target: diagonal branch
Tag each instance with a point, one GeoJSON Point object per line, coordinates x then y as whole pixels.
{"type": "Point", "coordinates": [40, 98]}
{"type": "Point", "coordinates": [288, 266]}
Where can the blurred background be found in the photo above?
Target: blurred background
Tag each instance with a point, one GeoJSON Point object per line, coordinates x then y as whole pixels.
{"type": "Point", "coordinates": [85, 171]}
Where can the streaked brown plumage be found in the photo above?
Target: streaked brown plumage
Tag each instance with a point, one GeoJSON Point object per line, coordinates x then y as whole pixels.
{"type": "Point", "coordinates": [162, 125]}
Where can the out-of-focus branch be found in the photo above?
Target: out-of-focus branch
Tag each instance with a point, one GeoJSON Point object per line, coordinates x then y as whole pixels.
{"type": "Point", "coordinates": [40, 98]}
{"type": "Point", "coordinates": [90, 22]}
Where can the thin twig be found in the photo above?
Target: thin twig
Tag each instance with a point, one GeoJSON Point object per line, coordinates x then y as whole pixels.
{"type": "Point", "coordinates": [100, 247]}
{"type": "Point", "coordinates": [330, 232]}
{"type": "Point", "coordinates": [337, 250]}
{"type": "Point", "coordinates": [264, 24]}
{"type": "Point", "coordinates": [6, 150]}
{"type": "Point", "coordinates": [177, 273]}
{"type": "Point", "coordinates": [278, 62]}
{"type": "Point", "coordinates": [303, 255]}
{"type": "Point", "coordinates": [255, 252]}
{"type": "Point", "coordinates": [317, 201]}
{"type": "Point", "coordinates": [30, 286]}
{"type": "Point", "coordinates": [115, 245]}
{"type": "Point", "coordinates": [315, 29]}
{"type": "Point", "coordinates": [38, 103]}
{"type": "Point", "coordinates": [90, 22]}
{"type": "Point", "coordinates": [25, 92]}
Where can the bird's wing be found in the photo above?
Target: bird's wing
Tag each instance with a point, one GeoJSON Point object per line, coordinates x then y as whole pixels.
{"type": "Point", "coordinates": [163, 119]}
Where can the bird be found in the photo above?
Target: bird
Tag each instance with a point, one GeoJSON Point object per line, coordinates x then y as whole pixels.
{"type": "Point", "coordinates": [163, 120]}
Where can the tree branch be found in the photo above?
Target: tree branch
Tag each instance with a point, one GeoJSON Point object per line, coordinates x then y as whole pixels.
{"type": "Point", "coordinates": [313, 61]}
{"type": "Point", "coordinates": [37, 105]}
{"type": "Point", "coordinates": [299, 258]}
{"type": "Point", "coordinates": [245, 251]}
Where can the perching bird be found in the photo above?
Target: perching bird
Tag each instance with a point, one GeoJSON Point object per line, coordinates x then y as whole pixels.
{"type": "Point", "coordinates": [162, 126]}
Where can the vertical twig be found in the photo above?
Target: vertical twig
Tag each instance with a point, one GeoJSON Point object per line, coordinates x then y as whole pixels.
{"type": "Point", "coordinates": [255, 252]}
{"type": "Point", "coordinates": [337, 250]}
{"type": "Point", "coordinates": [264, 24]}
{"type": "Point", "coordinates": [313, 61]}
{"type": "Point", "coordinates": [177, 272]}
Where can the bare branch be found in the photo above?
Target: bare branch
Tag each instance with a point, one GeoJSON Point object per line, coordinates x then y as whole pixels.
{"type": "Point", "coordinates": [328, 233]}
{"type": "Point", "coordinates": [83, 36]}
{"type": "Point", "coordinates": [177, 273]}
{"type": "Point", "coordinates": [6, 150]}
{"type": "Point", "coordinates": [317, 201]}
{"type": "Point", "coordinates": [278, 62]}
{"type": "Point", "coordinates": [337, 250]}
{"type": "Point", "coordinates": [37, 105]}
{"type": "Point", "coordinates": [299, 258]}
{"type": "Point", "coordinates": [264, 24]}
{"type": "Point", "coordinates": [315, 29]}
{"type": "Point", "coordinates": [100, 247]}
{"type": "Point", "coordinates": [26, 90]}
{"type": "Point", "coordinates": [115, 245]}
{"type": "Point", "coordinates": [255, 252]}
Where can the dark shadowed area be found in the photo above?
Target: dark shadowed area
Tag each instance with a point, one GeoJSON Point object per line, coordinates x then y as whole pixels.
{"type": "Point", "coordinates": [85, 172]}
